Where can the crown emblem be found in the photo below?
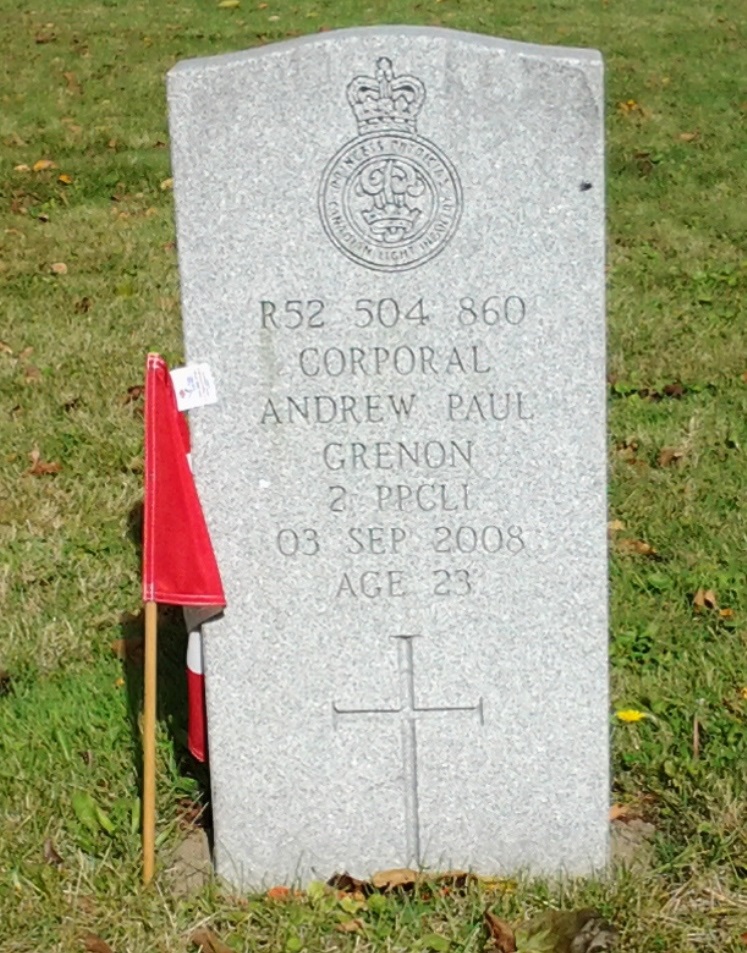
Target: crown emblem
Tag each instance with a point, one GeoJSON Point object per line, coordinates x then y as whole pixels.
{"type": "Point", "coordinates": [386, 101]}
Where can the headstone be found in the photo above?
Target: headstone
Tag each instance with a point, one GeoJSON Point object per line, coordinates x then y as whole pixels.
{"type": "Point", "coordinates": [391, 254]}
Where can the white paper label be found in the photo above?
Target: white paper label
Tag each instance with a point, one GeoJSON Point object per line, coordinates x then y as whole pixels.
{"type": "Point", "coordinates": [194, 386]}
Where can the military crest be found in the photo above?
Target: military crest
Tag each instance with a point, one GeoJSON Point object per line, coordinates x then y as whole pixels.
{"type": "Point", "coordinates": [389, 199]}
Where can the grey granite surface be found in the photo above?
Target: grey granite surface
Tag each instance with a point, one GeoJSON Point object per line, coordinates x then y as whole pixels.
{"type": "Point", "coordinates": [391, 249]}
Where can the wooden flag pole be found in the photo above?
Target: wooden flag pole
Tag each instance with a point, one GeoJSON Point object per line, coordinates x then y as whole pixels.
{"type": "Point", "coordinates": [149, 742]}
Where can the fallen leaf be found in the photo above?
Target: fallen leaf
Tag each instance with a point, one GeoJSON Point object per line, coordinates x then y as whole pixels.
{"type": "Point", "coordinates": [65, 178]}
{"type": "Point", "coordinates": [133, 393]}
{"type": "Point", "coordinates": [500, 934]}
{"type": "Point", "coordinates": [623, 812]}
{"type": "Point", "coordinates": [689, 136]}
{"type": "Point", "coordinates": [279, 893]}
{"type": "Point", "coordinates": [94, 944]}
{"type": "Point", "coordinates": [635, 547]}
{"type": "Point", "coordinates": [58, 268]}
{"type": "Point", "coordinates": [615, 526]}
{"type": "Point", "coordinates": [128, 650]}
{"type": "Point", "coordinates": [457, 880]}
{"type": "Point", "coordinates": [704, 599]}
{"type": "Point", "coordinates": [676, 390]}
{"type": "Point", "coordinates": [207, 941]}
{"type": "Point", "coordinates": [71, 82]}
{"type": "Point", "coordinates": [39, 468]}
{"type": "Point", "coordinates": [21, 168]}
{"type": "Point", "coordinates": [630, 715]}
{"type": "Point", "coordinates": [399, 878]}
{"type": "Point", "coordinates": [167, 184]}
{"type": "Point", "coordinates": [51, 856]}
{"type": "Point", "coordinates": [350, 926]}
{"type": "Point", "coordinates": [670, 456]}
{"type": "Point", "coordinates": [726, 613]}
{"type": "Point", "coordinates": [627, 449]}
{"type": "Point", "coordinates": [41, 165]}
{"type": "Point", "coordinates": [347, 884]}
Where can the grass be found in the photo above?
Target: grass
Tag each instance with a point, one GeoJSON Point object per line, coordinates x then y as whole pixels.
{"type": "Point", "coordinates": [82, 87]}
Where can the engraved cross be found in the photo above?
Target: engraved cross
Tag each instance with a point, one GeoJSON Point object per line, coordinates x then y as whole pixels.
{"type": "Point", "coordinates": [410, 713]}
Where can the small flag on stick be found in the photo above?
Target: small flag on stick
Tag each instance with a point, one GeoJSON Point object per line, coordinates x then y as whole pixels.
{"type": "Point", "coordinates": [179, 568]}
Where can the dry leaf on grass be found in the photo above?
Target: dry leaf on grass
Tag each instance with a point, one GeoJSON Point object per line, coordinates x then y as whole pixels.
{"type": "Point", "coordinates": [39, 467]}
{"type": "Point", "coordinates": [689, 136]}
{"type": "Point", "coordinates": [635, 547]}
{"type": "Point", "coordinates": [623, 812]}
{"type": "Point", "coordinates": [704, 599]}
{"type": "Point", "coordinates": [207, 941]}
{"type": "Point", "coordinates": [51, 856]}
{"type": "Point", "coordinates": [347, 884]}
{"type": "Point", "coordinates": [500, 934]}
{"type": "Point", "coordinates": [350, 926]}
{"type": "Point", "coordinates": [133, 393]}
{"type": "Point", "coordinates": [71, 82]}
{"type": "Point", "coordinates": [58, 268]}
{"type": "Point", "coordinates": [65, 179]}
{"type": "Point", "coordinates": [43, 164]}
{"type": "Point", "coordinates": [670, 456]}
{"type": "Point", "coordinates": [400, 878]}
{"type": "Point", "coordinates": [94, 944]}
{"type": "Point", "coordinates": [280, 894]}
{"type": "Point", "coordinates": [455, 880]}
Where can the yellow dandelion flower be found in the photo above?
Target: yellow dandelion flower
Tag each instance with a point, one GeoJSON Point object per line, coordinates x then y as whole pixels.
{"type": "Point", "coordinates": [630, 715]}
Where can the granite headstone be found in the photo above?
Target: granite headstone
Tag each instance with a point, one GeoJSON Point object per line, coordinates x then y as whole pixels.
{"type": "Point", "coordinates": [391, 252]}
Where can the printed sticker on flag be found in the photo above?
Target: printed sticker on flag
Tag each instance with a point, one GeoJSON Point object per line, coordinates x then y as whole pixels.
{"type": "Point", "coordinates": [194, 386]}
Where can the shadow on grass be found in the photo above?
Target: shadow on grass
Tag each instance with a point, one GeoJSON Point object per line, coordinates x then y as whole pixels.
{"type": "Point", "coordinates": [171, 703]}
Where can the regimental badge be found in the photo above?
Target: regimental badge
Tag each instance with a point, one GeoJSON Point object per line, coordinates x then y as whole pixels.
{"type": "Point", "coordinates": [390, 200]}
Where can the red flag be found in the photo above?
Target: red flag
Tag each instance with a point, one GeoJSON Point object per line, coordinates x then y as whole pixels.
{"type": "Point", "coordinates": [179, 566]}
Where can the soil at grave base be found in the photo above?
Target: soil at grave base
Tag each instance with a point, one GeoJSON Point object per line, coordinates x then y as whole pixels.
{"type": "Point", "coordinates": [631, 844]}
{"type": "Point", "coordinates": [191, 865]}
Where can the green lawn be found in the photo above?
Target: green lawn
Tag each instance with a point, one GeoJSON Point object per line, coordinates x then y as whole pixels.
{"type": "Point", "coordinates": [88, 285]}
